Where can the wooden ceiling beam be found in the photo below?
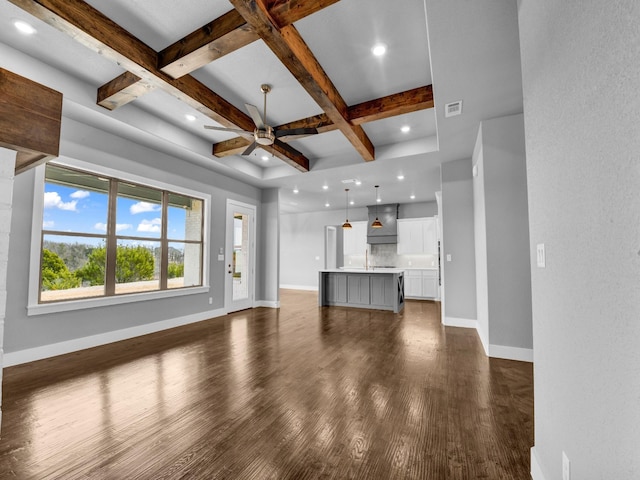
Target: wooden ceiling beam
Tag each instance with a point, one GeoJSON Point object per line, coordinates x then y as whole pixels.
{"type": "Point", "coordinates": [410, 101]}
{"type": "Point", "coordinates": [122, 90]}
{"type": "Point", "coordinates": [413, 100]}
{"type": "Point", "coordinates": [287, 44]}
{"type": "Point", "coordinates": [223, 35]}
{"type": "Point", "coordinates": [91, 28]}
{"type": "Point", "coordinates": [287, 12]}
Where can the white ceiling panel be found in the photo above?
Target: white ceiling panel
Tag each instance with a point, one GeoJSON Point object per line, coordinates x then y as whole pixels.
{"type": "Point", "coordinates": [341, 37]}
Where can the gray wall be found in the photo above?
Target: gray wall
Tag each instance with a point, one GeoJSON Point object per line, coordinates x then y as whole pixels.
{"type": "Point", "coordinates": [302, 244]}
{"type": "Point", "coordinates": [500, 193]}
{"type": "Point", "coordinates": [417, 210]}
{"type": "Point", "coordinates": [581, 71]}
{"type": "Point", "coordinates": [92, 145]}
{"type": "Point", "coordinates": [458, 240]}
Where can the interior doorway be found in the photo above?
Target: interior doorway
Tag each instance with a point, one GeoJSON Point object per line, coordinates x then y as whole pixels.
{"type": "Point", "coordinates": [330, 247]}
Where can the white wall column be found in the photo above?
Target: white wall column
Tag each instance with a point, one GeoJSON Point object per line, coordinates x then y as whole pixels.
{"type": "Point", "coordinates": [7, 167]}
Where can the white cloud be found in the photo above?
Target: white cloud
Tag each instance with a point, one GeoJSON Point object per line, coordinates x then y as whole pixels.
{"type": "Point", "coordinates": [48, 224]}
{"type": "Point", "coordinates": [142, 207]}
{"type": "Point", "coordinates": [78, 194]}
{"type": "Point", "coordinates": [53, 200]}
{"type": "Point", "coordinates": [119, 226]}
{"type": "Point", "coordinates": [150, 226]}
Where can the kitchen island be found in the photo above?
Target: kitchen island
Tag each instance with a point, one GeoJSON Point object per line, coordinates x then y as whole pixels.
{"type": "Point", "coordinates": [379, 289]}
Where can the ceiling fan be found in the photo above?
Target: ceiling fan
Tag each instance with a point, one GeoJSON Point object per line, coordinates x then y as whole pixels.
{"type": "Point", "coordinates": [264, 134]}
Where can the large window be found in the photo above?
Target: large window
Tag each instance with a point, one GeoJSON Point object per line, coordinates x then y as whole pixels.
{"type": "Point", "coordinates": [103, 237]}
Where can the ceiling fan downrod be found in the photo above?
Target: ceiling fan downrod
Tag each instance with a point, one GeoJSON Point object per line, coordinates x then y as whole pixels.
{"type": "Point", "coordinates": [265, 135]}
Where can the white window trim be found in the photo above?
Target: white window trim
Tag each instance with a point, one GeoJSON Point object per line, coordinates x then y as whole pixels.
{"type": "Point", "coordinates": [35, 308]}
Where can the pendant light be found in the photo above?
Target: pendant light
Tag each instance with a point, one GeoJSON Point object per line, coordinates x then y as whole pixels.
{"type": "Point", "coordinates": [346, 223]}
{"type": "Point", "coordinates": [376, 223]}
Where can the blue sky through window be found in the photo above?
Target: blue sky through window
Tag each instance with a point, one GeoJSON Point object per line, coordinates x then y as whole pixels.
{"type": "Point", "coordinates": [69, 209]}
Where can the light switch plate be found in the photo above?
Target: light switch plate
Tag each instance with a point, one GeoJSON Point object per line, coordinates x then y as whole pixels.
{"type": "Point", "coordinates": [448, 257]}
{"type": "Point", "coordinates": [221, 258]}
{"type": "Point", "coordinates": [541, 256]}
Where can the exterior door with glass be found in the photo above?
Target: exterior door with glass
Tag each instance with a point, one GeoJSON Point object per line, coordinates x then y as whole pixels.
{"type": "Point", "coordinates": [240, 256]}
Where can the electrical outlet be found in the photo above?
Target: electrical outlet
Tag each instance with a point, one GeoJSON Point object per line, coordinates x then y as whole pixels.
{"type": "Point", "coordinates": [541, 257]}
{"type": "Point", "coordinates": [566, 467]}
{"type": "Point", "coordinates": [210, 300]}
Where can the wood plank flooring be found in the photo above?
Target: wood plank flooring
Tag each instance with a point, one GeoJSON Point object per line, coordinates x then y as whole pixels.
{"type": "Point", "coordinates": [303, 392]}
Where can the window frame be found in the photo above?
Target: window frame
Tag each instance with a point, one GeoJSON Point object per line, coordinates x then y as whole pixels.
{"type": "Point", "coordinates": [34, 307]}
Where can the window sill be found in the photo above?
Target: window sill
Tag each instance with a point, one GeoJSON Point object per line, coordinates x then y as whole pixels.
{"type": "Point", "coordinates": [69, 305]}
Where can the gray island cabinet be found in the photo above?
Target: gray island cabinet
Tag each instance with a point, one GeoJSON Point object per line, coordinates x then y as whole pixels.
{"type": "Point", "coordinates": [381, 289]}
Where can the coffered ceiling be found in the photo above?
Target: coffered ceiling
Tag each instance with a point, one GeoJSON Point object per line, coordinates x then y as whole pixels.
{"type": "Point", "coordinates": [138, 67]}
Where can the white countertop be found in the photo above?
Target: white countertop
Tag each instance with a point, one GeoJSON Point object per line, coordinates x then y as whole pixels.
{"type": "Point", "coordinates": [362, 270]}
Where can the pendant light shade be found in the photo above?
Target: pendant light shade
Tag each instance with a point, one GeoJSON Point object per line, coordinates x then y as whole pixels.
{"type": "Point", "coordinates": [346, 223]}
{"type": "Point", "coordinates": [376, 223]}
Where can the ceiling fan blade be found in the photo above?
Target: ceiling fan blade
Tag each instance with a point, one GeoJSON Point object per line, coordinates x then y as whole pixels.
{"type": "Point", "coordinates": [289, 134]}
{"type": "Point", "coordinates": [250, 149]}
{"type": "Point", "coordinates": [232, 130]}
{"type": "Point", "coordinates": [255, 115]}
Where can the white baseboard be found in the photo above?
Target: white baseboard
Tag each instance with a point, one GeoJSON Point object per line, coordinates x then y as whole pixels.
{"type": "Point", "coordinates": [300, 287]}
{"type": "Point", "coordinates": [267, 304]}
{"type": "Point", "coordinates": [536, 471]}
{"type": "Point", "coordinates": [511, 353]}
{"type": "Point", "coordinates": [460, 322]}
{"type": "Point", "coordinates": [55, 349]}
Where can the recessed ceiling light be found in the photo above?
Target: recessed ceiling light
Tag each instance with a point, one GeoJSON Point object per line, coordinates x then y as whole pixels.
{"type": "Point", "coordinates": [24, 27]}
{"type": "Point", "coordinates": [358, 182]}
{"type": "Point", "coordinates": [265, 158]}
{"type": "Point", "coordinates": [351, 202]}
{"type": "Point", "coordinates": [191, 118]}
{"type": "Point", "coordinates": [295, 190]}
{"type": "Point", "coordinates": [412, 197]}
{"type": "Point", "coordinates": [379, 49]}
{"type": "Point", "coordinates": [325, 187]}
{"type": "Point", "coordinates": [405, 129]}
{"type": "Point", "coordinates": [400, 177]}
{"type": "Point", "coordinates": [327, 204]}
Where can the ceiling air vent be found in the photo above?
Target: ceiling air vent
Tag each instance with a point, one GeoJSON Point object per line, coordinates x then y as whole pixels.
{"type": "Point", "coordinates": [452, 109]}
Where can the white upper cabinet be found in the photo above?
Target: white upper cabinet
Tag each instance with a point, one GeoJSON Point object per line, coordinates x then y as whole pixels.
{"type": "Point", "coordinates": [430, 232]}
{"type": "Point", "coordinates": [355, 239]}
{"type": "Point", "coordinates": [417, 236]}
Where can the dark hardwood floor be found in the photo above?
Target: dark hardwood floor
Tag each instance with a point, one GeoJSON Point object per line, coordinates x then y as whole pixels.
{"type": "Point", "coordinates": [297, 393]}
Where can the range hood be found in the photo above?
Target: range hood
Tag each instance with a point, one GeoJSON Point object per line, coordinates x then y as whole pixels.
{"type": "Point", "coordinates": [388, 215]}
